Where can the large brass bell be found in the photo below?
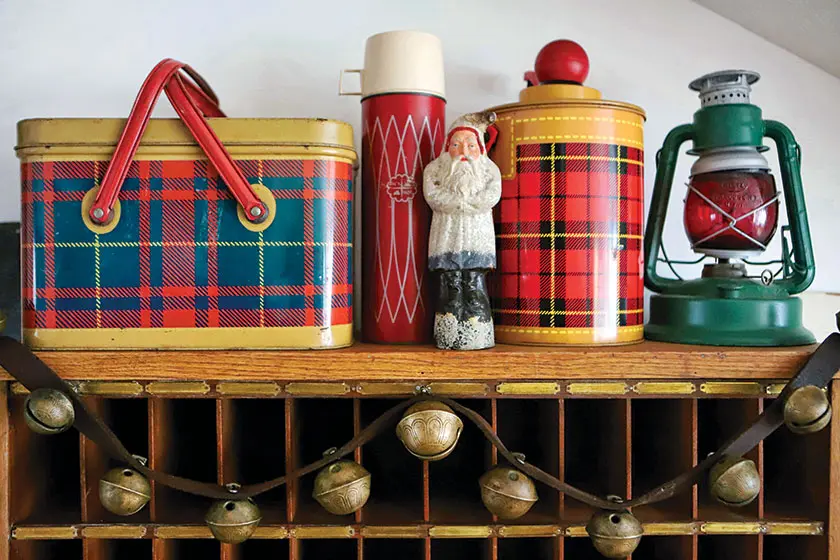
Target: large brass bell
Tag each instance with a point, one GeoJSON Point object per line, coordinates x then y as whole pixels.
{"type": "Point", "coordinates": [507, 493]}
{"type": "Point", "coordinates": [342, 487]}
{"type": "Point", "coordinates": [615, 534]}
{"type": "Point", "coordinates": [430, 430]}
{"type": "Point", "coordinates": [734, 481]}
{"type": "Point", "coordinates": [124, 491]}
{"type": "Point", "coordinates": [48, 411]}
{"type": "Point", "coordinates": [807, 410]}
{"type": "Point", "coordinates": [233, 521]}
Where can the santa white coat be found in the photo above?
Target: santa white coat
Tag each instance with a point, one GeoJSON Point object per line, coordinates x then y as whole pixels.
{"type": "Point", "coordinates": [462, 234]}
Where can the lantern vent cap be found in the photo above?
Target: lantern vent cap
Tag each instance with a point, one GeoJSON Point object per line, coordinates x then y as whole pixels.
{"type": "Point", "coordinates": [724, 87]}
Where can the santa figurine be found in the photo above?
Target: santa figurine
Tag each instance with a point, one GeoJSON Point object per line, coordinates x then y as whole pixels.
{"type": "Point", "coordinates": [461, 187]}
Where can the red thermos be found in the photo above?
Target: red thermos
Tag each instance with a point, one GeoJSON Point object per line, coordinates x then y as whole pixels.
{"type": "Point", "coordinates": [403, 129]}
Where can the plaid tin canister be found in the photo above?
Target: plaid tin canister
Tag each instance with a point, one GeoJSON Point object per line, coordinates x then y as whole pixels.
{"type": "Point", "coordinates": [569, 223]}
{"type": "Point", "coordinates": [180, 269]}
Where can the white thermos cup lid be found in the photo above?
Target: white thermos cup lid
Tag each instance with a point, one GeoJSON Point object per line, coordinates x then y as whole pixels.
{"type": "Point", "coordinates": [400, 62]}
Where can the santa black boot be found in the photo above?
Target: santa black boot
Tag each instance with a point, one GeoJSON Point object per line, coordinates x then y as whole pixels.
{"type": "Point", "coordinates": [450, 309]}
{"type": "Point", "coordinates": [477, 325]}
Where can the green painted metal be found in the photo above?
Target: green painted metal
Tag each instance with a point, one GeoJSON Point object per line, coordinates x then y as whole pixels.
{"type": "Point", "coordinates": [730, 311]}
{"type": "Point", "coordinates": [724, 126]}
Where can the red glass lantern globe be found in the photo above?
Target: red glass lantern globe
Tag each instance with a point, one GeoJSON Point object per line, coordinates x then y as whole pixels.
{"type": "Point", "coordinates": [732, 206]}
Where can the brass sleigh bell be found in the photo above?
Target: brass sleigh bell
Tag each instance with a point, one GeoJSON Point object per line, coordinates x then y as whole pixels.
{"type": "Point", "coordinates": [233, 521]}
{"type": "Point", "coordinates": [342, 487]}
{"type": "Point", "coordinates": [430, 430]}
{"type": "Point", "coordinates": [124, 491]}
{"type": "Point", "coordinates": [734, 481]}
{"type": "Point", "coordinates": [807, 410]}
{"type": "Point", "coordinates": [48, 411]}
{"type": "Point", "coordinates": [506, 492]}
{"type": "Point", "coordinates": [615, 534]}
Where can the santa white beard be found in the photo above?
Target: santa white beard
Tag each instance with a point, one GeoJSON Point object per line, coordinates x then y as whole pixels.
{"type": "Point", "coordinates": [466, 177]}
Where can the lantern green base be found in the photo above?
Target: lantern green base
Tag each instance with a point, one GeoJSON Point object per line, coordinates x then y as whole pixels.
{"type": "Point", "coordinates": [727, 321]}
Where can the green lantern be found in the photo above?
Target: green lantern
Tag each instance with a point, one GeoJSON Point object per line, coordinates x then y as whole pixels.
{"type": "Point", "coordinates": [730, 214]}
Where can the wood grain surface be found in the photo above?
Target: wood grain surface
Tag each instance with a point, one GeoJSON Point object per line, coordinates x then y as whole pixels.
{"type": "Point", "coordinates": [655, 360]}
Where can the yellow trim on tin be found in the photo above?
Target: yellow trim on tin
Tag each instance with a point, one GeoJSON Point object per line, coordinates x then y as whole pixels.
{"type": "Point", "coordinates": [599, 138]}
{"type": "Point", "coordinates": [598, 388]}
{"type": "Point", "coordinates": [585, 337]}
{"type": "Point", "coordinates": [528, 388]}
{"type": "Point", "coordinates": [582, 118]}
{"type": "Point", "coordinates": [314, 532]}
{"type": "Point", "coordinates": [48, 134]}
{"type": "Point", "coordinates": [210, 338]}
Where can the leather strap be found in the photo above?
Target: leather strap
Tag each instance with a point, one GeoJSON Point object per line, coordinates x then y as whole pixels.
{"type": "Point", "coordinates": [193, 100]}
{"type": "Point", "coordinates": [22, 364]}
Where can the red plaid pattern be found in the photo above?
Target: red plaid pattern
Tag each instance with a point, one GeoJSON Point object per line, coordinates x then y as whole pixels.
{"type": "Point", "coordinates": [569, 238]}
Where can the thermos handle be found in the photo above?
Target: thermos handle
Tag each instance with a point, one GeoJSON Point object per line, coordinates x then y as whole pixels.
{"type": "Point", "coordinates": [341, 82]}
{"type": "Point", "coordinates": [193, 101]}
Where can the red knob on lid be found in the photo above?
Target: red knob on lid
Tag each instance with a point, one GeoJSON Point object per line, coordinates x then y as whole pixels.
{"type": "Point", "coordinates": [562, 61]}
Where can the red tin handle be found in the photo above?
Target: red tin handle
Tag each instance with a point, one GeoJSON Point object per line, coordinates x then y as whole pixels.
{"type": "Point", "coordinates": [193, 100]}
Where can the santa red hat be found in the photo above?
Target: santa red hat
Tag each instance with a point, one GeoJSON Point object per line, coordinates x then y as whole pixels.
{"type": "Point", "coordinates": [478, 124]}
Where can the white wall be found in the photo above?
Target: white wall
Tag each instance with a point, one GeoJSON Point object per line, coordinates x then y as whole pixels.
{"type": "Point", "coordinates": [264, 58]}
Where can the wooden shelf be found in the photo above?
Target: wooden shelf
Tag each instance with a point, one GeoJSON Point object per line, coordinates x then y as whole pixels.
{"type": "Point", "coordinates": [647, 360]}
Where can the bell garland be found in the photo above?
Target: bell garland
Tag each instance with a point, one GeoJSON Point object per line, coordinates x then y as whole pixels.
{"type": "Point", "coordinates": [124, 491]}
{"type": "Point", "coordinates": [430, 430]}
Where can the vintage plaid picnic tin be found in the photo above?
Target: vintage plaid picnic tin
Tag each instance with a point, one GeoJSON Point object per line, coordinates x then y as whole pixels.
{"type": "Point", "coordinates": [569, 222]}
{"type": "Point", "coordinates": [180, 268]}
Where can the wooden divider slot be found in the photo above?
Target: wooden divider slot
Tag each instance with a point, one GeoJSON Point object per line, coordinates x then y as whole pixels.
{"type": "Point", "coordinates": [454, 492]}
{"type": "Point", "coordinates": [184, 443]}
{"type": "Point", "coordinates": [391, 549]}
{"type": "Point", "coordinates": [460, 549]}
{"type": "Point", "coordinates": [531, 426]}
{"type": "Point", "coordinates": [728, 547]}
{"type": "Point", "coordinates": [532, 549]}
{"type": "Point", "coordinates": [319, 425]}
{"type": "Point", "coordinates": [672, 548]}
{"type": "Point", "coordinates": [662, 449]}
{"type": "Point", "coordinates": [45, 550]}
{"type": "Point", "coordinates": [129, 420]}
{"type": "Point", "coordinates": [190, 549]}
{"type": "Point", "coordinates": [259, 549]}
{"type": "Point", "coordinates": [396, 475]}
{"type": "Point", "coordinates": [795, 548]}
{"type": "Point", "coordinates": [796, 474]}
{"type": "Point", "coordinates": [718, 420]}
{"type": "Point", "coordinates": [45, 473]}
{"type": "Point", "coordinates": [253, 449]}
{"type": "Point", "coordinates": [118, 549]}
{"type": "Point", "coordinates": [596, 451]}
{"type": "Point", "coordinates": [317, 549]}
